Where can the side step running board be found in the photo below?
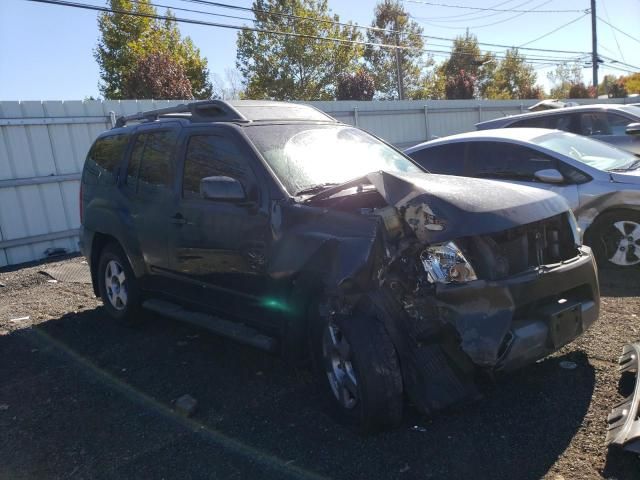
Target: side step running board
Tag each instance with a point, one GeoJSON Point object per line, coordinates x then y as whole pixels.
{"type": "Point", "coordinates": [236, 331]}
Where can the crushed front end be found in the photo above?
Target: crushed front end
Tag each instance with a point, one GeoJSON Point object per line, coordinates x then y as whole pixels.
{"type": "Point", "coordinates": [474, 276]}
{"type": "Point", "coordinates": [624, 419]}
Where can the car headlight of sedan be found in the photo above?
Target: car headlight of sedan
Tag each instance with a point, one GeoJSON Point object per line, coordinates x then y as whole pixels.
{"type": "Point", "coordinates": [445, 263]}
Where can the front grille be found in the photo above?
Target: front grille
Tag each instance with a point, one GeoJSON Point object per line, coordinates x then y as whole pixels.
{"type": "Point", "coordinates": [516, 250]}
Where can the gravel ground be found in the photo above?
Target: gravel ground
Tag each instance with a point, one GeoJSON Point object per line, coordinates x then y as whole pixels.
{"type": "Point", "coordinates": [81, 397]}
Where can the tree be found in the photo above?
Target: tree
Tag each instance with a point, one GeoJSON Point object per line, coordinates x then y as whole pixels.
{"type": "Point", "coordinates": [126, 39]}
{"type": "Point", "coordinates": [513, 78]}
{"type": "Point", "coordinates": [579, 90]}
{"type": "Point", "coordinates": [466, 56]}
{"type": "Point", "coordinates": [617, 89]}
{"type": "Point", "coordinates": [229, 88]}
{"type": "Point", "coordinates": [632, 82]}
{"type": "Point", "coordinates": [460, 86]}
{"type": "Point", "coordinates": [158, 75]}
{"type": "Point", "coordinates": [283, 67]}
{"type": "Point", "coordinates": [355, 86]}
{"type": "Point", "coordinates": [393, 27]}
{"type": "Point", "coordinates": [563, 78]}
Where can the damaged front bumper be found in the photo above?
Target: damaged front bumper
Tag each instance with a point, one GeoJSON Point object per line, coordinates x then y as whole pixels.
{"type": "Point", "coordinates": [624, 419]}
{"type": "Point", "coordinates": [506, 324]}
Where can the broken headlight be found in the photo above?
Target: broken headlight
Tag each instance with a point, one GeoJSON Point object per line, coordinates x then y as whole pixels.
{"type": "Point", "coordinates": [445, 263]}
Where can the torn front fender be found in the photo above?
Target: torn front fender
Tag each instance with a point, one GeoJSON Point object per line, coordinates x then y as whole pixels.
{"type": "Point", "coordinates": [624, 419]}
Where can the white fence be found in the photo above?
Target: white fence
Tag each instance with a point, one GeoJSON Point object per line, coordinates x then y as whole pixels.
{"type": "Point", "coordinates": [43, 146]}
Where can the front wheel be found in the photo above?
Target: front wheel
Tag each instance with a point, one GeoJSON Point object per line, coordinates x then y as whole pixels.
{"type": "Point", "coordinates": [358, 369]}
{"type": "Point", "coordinates": [615, 239]}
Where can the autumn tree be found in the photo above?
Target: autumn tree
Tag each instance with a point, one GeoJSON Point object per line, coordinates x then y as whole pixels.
{"type": "Point", "coordinates": [632, 82]}
{"type": "Point", "coordinates": [467, 57]}
{"type": "Point", "coordinates": [355, 86]}
{"type": "Point", "coordinates": [513, 78]}
{"type": "Point", "coordinates": [298, 66]}
{"type": "Point", "coordinates": [392, 26]}
{"type": "Point", "coordinates": [157, 75]}
{"type": "Point", "coordinates": [579, 90]}
{"type": "Point", "coordinates": [617, 89]}
{"type": "Point", "coordinates": [129, 34]}
{"type": "Point", "coordinates": [460, 86]}
{"type": "Point", "coordinates": [563, 78]}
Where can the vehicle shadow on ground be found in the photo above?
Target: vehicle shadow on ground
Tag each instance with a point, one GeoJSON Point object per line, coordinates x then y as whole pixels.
{"type": "Point", "coordinates": [254, 399]}
{"type": "Point", "coordinates": [619, 283]}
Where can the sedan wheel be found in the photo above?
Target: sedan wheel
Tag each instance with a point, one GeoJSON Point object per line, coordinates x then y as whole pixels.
{"type": "Point", "coordinates": [622, 243]}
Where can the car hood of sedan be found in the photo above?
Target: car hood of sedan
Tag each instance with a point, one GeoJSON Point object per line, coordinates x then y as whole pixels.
{"type": "Point", "coordinates": [442, 207]}
{"type": "Point", "coordinates": [631, 177]}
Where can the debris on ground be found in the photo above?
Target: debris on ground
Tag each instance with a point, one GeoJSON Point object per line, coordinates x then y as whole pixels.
{"type": "Point", "coordinates": [186, 405]}
{"type": "Point", "coordinates": [405, 469]}
{"type": "Point", "coordinates": [4, 406]}
{"type": "Point", "coordinates": [567, 365]}
{"type": "Point", "coordinates": [19, 319]}
{"type": "Point", "coordinates": [418, 428]}
{"type": "Point", "coordinates": [2, 285]}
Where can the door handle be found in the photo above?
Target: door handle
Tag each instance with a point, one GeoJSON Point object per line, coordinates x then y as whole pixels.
{"type": "Point", "coordinates": [178, 219]}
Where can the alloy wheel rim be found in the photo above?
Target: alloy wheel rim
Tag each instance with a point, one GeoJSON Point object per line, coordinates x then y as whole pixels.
{"type": "Point", "coordinates": [116, 285]}
{"type": "Point", "coordinates": [624, 243]}
{"type": "Point", "coordinates": [336, 352]}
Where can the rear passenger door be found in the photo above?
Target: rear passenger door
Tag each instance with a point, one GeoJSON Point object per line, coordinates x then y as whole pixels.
{"type": "Point", "coordinates": [446, 159]}
{"type": "Point", "coordinates": [517, 164]}
{"type": "Point", "coordinates": [149, 187]}
{"type": "Point", "coordinates": [220, 245]}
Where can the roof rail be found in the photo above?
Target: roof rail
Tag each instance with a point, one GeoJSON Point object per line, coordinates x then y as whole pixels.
{"type": "Point", "coordinates": [202, 111]}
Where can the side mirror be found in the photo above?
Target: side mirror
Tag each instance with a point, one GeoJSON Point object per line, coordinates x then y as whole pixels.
{"type": "Point", "coordinates": [633, 129]}
{"type": "Point", "coordinates": [549, 175]}
{"type": "Point", "coordinates": [221, 188]}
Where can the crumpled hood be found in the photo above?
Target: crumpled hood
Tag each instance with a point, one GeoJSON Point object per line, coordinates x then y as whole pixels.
{"type": "Point", "coordinates": [444, 207]}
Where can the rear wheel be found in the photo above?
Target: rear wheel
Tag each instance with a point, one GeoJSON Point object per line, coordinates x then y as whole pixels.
{"type": "Point", "coordinates": [118, 286]}
{"type": "Point", "coordinates": [358, 370]}
{"type": "Point", "coordinates": [615, 239]}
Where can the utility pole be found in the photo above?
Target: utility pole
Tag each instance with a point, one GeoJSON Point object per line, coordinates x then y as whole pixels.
{"type": "Point", "coordinates": [594, 46]}
{"type": "Point", "coordinates": [399, 64]}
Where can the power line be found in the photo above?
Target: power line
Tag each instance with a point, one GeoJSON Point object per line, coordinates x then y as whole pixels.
{"type": "Point", "coordinates": [364, 27]}
{"type": "Point", "coordinates": [616, 28]}
{"type": "Point", "coordinates": [615, 37]}
{"type": "Point", "coordinates": [554, 30]}
{"type": "Point", "coordinates": [464, 17]}
{"type": "Point", "coordinates": [72, 4]}
{"type": "Point", "coordinates": [488, 9]}
{"type": "Point", "coordinates": [84, 6]}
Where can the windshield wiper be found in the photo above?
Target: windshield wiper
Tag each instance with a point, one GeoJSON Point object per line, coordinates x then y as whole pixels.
{"type": "Point", "coordinates": [315, 189]}
{"type": "Point", "coordinates": [633, 166]}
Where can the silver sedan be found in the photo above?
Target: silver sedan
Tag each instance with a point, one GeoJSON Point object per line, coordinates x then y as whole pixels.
{"type": "Point", "coordinates": [601, 183]}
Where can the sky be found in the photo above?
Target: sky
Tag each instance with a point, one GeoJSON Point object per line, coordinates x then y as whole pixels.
{"type": "Point", "coordinates": [46, 51]}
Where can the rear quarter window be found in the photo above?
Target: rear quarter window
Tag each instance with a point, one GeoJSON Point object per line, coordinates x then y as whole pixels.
{"type": "Point", "coordinates": [104, 158]}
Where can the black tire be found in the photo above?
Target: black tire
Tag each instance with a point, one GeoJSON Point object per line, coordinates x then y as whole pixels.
{"type": "Point", "coordinates": [607, 240]}
{"type": "Point", "coordinates": [375, 366]}
{"type": "Point", "coordinates": [129, 313]}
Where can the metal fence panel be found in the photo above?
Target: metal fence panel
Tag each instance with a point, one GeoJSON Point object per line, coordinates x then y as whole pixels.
{"type": "Point", "coordinates": [43, 146]}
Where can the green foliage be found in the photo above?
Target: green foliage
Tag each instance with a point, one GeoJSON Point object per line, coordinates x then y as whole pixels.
{"type": "Point", "coordinates": [382, 61]}
{"type": "Point", "coordinates": [632, 83]}
{"type": "Point", "coordinates": [512, 78]}
{"type": "Point", "coordinates": [127, 39]}
{"type": "Point", "coordinates": [355, 86]}
{"type": "Point", "coordinates": [563, 78]}
{"type": "Point", "coordinates": [282, 67]}
{"type": "Point", "coordinates": [467, 57]}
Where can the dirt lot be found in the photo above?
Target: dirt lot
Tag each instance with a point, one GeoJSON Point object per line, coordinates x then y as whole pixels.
{"type": "Point", "coordinates": [81, 397]}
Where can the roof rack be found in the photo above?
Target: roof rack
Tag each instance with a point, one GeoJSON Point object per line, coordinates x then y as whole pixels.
{"type": "Point", "coordinates": [202, 111]}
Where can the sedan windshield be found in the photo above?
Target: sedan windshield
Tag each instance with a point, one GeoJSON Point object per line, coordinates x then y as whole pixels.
{"type": "Point", "coordinates": [594, 153]}
{"type": "Point", "coordinates": [307, 157]}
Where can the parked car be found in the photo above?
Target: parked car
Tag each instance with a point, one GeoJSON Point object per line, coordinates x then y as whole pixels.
{"type": "Point", "coordinates": [618, 125]}
{"type": "Point", "coordinates": [624, 420]}
{"type": "Point", "coordinates": [601, 183]}
{"type": "Point", "coordinates": [277, 226]}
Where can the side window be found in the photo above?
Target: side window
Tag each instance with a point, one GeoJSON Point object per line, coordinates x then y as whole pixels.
{"type": "Point", "coordinates": [156, 161]}
{"type": "Point", "coordinates": [210, 156]}
{"type": "Point", "coordinates": [534, 122]}
{"type": "Point", "coordinates": [594, 123]}
{"type": "Point", "coordinates": [134, 160]}
{"type": "Point", "coordinates": [444, 159]}
{"type": "Point", "coordinates": [506, 161]}
{"type": "Point", "coordinates": [106, 153]}
{"type": "Point", "coordinates": [618, 123]}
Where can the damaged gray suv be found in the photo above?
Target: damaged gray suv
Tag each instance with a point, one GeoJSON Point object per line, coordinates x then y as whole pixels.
{"type": "Point", "coordinates": [277, 226]}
